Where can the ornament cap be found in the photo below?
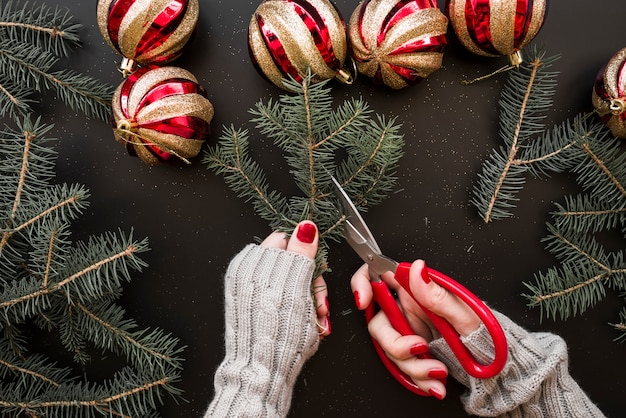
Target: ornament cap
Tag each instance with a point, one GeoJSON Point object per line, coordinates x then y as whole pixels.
{"type": "Point", "coordinates": [516, 59]}
{"type": "Point", "coordinates": [127, 66]}
{"type": "Point", "coordinates": [345, 76]}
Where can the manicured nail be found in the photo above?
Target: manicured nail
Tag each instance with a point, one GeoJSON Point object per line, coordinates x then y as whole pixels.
{"type": "Point", "coordinates": [357, 299]}
{"type": "Point", "coordinates": [437, 374]}
{"type": "Point", "coordinates": [327, 305]}
{"type": "Point", "coordinates": [419, 348]}
{"type": "Point", "coordinates": [435, 393]}
{"type": "Point", "coordinates": [328, 325]}
{"type": "Point", "coordinates": [306, 232]}
{"type": "Point", "coordinates": [424, 274]}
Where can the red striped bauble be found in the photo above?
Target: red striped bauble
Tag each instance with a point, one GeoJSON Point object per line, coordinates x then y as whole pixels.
{"type": "Point", "coordinates": [496, 27]}
{"type": "Point", "coordinates": [161, 113]}
{"type": "Point", "coordinates": [286, 38]}
{"type": "Point", "coordinates": [397, 42]}
{"type": "Point", "coordinates": [147, 31]}
{"type": "Point", "coordinates": [609, 94]}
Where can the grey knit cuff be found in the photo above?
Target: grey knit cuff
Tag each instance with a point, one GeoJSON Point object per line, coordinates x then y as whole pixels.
{"type": "Point", "coordinates": [534, 382]}
{"type": "Point", "coordinates": [270, 332]}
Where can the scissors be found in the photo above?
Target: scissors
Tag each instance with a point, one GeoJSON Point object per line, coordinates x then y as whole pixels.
{"type": "Point", "coordinates": [360, 238]}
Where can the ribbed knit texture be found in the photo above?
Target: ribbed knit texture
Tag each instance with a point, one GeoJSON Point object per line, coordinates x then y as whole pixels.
{"type": "Point", "coordinates": [534, 383]}
{"type": "Point", "coordinates": [270, 332]}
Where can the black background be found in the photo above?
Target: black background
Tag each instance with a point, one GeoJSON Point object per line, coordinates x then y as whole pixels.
{"type": "Point", "coordinates": [196, 224]}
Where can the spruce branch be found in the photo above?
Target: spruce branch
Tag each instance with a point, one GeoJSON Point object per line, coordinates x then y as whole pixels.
{"type": "Point", "coordinates": [33, 40]}
{"type": "Point", "coordinates": [527, 94]}
{"type": "Point", "coordinates": [584, 148]}
{"type": "Point", "coordinates": [68, 289]}
{"type": "Point", "coordinates": [51, 29]}
{"type": "Point", "coordinates": [316, 139]}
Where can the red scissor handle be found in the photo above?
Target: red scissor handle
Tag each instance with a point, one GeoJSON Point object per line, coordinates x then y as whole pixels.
{"type": "Point", "coordinates": [452, 337]}
{"type": "Point", "coordinates": [388, 304]}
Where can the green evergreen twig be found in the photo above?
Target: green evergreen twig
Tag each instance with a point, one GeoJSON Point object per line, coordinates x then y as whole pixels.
{"type": "Point", "coordinates": [524, 99]}
{"type": "Point", "coordinates": [69, 289]}
{"type": "Point", "coordinates": [316, 139]}
{"type": "Point", "coordinates": [33, 39]}
{"type": "Point", "coordinates": [582, 147]}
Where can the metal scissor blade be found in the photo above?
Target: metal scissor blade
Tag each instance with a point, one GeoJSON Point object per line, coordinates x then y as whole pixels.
{"type": "Point", "coordinates": [360, 238]}
{"type": "Point", "coordinates": [377, 262]}
{"type": "Point", "coordinates": [353, 215]}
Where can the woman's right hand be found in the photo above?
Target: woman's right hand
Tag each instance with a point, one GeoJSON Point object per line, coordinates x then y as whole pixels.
{"type": "Point", "coordinates": [402, 350]}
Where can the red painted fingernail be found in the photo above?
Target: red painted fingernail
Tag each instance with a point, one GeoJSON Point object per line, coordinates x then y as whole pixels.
{"type": "Point", "coordinates": [437, 374]}
{"type": "Point", "coordinates": [357, 299]}
{"type": "Point", "coordinates": [327, 305]}
{"type": "Point", "coordinates": [435, 393]}
{"type": "Point", "coordinates": [424, 274]}
{"type": "Point", "coordinates": [328, 325]}
{"type": "Point", "coordinates": [306, 232]}
{"type": "Point", "coordinates": [418, 349]}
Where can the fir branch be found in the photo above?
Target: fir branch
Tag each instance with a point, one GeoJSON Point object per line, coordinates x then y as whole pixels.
{"type": "Point", "coordinates": [604, 176]}
{"type": "Point", "coordinates": [232, 160]}
{"type": "Point", "coordinates": [81, 92]}
{"type": "Point", "coordinates": [315, 139]}
{"type": "Point", "coordinates": [68, 289]}
{"type": "Point", "coordinates": [25, 158]}
{"type": "Point", "coordinates": [32, 42]}
{"type": "Point", "coordinates": [581, 280]}
{"type": "Point", "coordinates": [47, 28]}
{"type": "Point", "coordinates": [128, 394]}
{"type": "Point", "coordinates": [586, 212]}
{"type": "Point", "coordinates": [621, 326]}
{"type": "Point", "coordinates": [99, 268]}
{"type": "Point", "coordinates": [143, 349]}
{"type": "Point", "coordinates": [526, 95]}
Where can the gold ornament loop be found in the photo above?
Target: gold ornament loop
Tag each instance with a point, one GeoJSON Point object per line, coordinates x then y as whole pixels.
{"type": "Point", "coordinates": [617, 106]}
{"type": "Point", "coordinates": [124, 125]}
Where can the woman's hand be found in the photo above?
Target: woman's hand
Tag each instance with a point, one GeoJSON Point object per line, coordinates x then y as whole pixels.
{"type": "Point", "coordinates": [304, 240]}
{"type": "Point", "coordinates": [403, 349]}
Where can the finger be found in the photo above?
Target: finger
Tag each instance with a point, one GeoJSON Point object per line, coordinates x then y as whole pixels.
{"type": "Point", "coordinates": [440, 301]}
{"type": "Point", "coordinates": [304, 239]}
{"type": "Point", "coordinates": [320, 295]}
{"type": "Point", "coordinates": [361, 288]}
{"type": "Point", "coordinates": [275, 240]}
{"type": "Point", "coordinates": [402, 350]}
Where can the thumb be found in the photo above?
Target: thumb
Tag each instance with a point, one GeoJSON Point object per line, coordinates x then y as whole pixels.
{"type": "Point", "coordinates": [440, 301]}
{"type": "Point", "coordinates": [304, 239]}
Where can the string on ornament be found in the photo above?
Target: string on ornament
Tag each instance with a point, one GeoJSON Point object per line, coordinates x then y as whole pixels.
{"type": "Point", "coordinates": [158, 111]}
{"type": "Point", "coordinates": [494, 28]}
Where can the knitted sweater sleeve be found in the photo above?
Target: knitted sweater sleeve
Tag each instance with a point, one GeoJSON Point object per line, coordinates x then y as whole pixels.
{"type": "Point", "coordinates": [534, 383]}
{"type": "Point", "coordinates": [270, 332]}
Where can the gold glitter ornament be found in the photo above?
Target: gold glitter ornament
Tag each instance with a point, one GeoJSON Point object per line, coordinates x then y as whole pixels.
{"type": "Point", "coordinates": [609, 94]}
{"type": "Point", "coordinates": [397, 42]}
{"type": "Point", "coordinates": [147, 31]}
{"type": "Point", "coordinates": [160, 113]}
{"type": "Point", "coordinates": [287, 38]}
{"type": "Point", "coordinates": [496, 27]}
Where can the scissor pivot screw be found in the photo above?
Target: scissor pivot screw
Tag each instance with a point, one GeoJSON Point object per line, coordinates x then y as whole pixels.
{"type": "Point", "coordinates": [370, 257]}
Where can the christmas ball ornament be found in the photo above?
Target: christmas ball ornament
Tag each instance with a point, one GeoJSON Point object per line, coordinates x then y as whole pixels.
{"type": "Point", "coordinates": [160, 113]}
{"type": "Point", "coordinates": [147, 31]}
{"type": "Point", "coordinates": [287, 38]}
{"type": "Point", "coordinates": [609, 94]}
{"type": "Point", "coordinates": [496, 27]}
{"type": "Point", "coordinates": [397, 42]}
